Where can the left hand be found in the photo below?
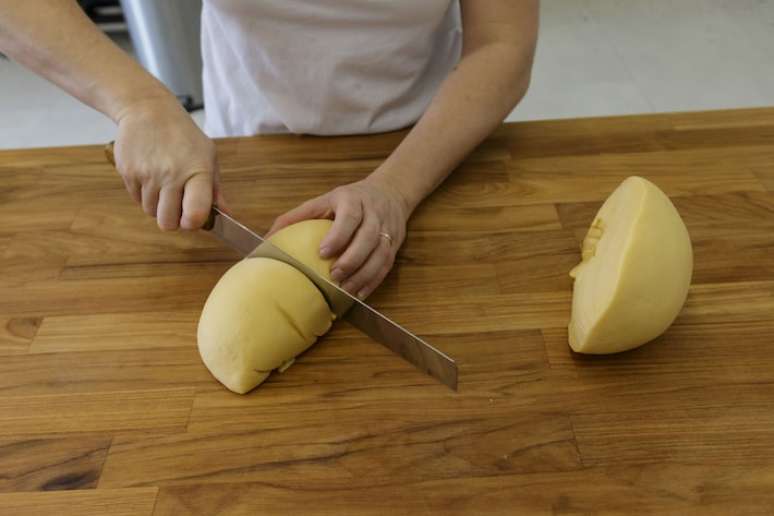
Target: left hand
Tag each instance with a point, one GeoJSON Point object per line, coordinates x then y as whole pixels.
{"type": "Point", "coordinates": [369, 226]}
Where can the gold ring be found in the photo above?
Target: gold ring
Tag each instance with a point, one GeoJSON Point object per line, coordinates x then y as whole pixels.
{"type": "Point", "coordinates": [386, 236]}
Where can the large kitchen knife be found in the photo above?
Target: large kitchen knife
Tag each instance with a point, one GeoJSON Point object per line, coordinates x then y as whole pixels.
{"type": "Point", "coordinates": [422, 355]}
{"type": "Point", "coordinates": [371, 322]}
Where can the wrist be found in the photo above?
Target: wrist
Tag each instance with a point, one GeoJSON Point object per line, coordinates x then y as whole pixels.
{"type": "Point", "coordinates": [399, 187]}
{"type": "Point", "coordinates": [153, 103]}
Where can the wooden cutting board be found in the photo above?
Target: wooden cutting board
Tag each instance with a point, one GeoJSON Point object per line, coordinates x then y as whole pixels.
{"type": "Point", "coordinates": [105, 407]}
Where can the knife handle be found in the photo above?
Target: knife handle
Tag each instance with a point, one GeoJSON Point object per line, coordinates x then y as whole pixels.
{"type": "Point", "coordinates": [210, 222]}
{"type": "Point", "coordinates": [111, 157]}
{"type": "Point", "coordinates": [109, 154]}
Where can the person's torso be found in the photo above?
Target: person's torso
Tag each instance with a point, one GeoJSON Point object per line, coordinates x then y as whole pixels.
{"type": "Point", "coordinates": [324, 66]}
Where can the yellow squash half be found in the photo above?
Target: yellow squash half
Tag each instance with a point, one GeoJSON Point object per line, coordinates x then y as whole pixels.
{"type": "Point", "coordinates": [636, 270]}
{"type": "Point", "coordinates": [262, 313]}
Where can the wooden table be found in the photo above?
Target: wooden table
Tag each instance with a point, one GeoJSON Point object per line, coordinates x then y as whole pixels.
{"type": "Point", "coordinates": [105, 407]}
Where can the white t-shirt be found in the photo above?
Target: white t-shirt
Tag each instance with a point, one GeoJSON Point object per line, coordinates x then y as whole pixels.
{"type": "Point", "coordinates": [324, 66]}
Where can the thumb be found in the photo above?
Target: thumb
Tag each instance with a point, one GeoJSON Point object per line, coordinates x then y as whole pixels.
{"type": "Point", "coordinates": [197, 201]}
{"type": "Point", "coordinates": [317, 208]}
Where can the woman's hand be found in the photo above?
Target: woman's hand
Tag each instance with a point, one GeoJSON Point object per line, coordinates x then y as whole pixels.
{"type": "Point", "coordinates": [167, 163]}
{"type": "Point", "coordinates": [369, 226]}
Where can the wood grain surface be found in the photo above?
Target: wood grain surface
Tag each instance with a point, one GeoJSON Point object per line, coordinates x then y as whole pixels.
{"type": "Point", "coordinates": [106, 408]}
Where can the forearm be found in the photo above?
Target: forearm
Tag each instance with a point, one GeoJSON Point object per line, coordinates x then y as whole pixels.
{"type": "Point", "coordinates": [56, 40]}
{"type": "Point", "coordinates": [489, 81]}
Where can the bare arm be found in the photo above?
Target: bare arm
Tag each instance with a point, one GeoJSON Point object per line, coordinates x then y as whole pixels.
{"type": "Point", "coordinates": [166, 162]}
{"type": "Point", "coordinates": [56, 40]}
{"type": "Point", "coordinates": [499, 38]}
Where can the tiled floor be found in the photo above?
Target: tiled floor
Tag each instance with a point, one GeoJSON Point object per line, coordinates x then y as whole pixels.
{"type": "Point", "coordinates": [595, 57]}
{"type": "Point", "coordinates": [601, 57]}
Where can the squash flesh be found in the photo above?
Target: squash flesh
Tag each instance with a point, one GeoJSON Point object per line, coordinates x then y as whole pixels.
{"type": "Point", "coordinates": [636, 270]}
{"type": "Point", "coordinates": [262, 313]}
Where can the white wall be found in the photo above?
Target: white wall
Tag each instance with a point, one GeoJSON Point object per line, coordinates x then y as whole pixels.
{"type": "Point", "coordinates": [595, 57]}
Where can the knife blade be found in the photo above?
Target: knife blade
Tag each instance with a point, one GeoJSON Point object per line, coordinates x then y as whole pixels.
{"type": "Point", "coordinates": [373, 323]}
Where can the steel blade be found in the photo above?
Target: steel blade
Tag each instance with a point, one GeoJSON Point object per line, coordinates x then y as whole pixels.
{"type": "Point", "coordinates": [376, 325]}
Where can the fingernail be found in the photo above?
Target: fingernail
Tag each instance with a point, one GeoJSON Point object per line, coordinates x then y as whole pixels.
{"type": "Point", "coordinates": [337, 275]}
{"type": "Point", "coordinates": [325, 252]}
{"type": "Point", "coordinates": [361, 295]}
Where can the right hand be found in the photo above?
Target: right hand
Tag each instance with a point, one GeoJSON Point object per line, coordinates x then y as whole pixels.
{"type": "Point", "coordinates": [168, 164]}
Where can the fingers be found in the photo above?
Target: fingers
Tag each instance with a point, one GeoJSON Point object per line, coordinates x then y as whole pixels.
{"type": "Point", "coordinates": [371, 285]}
{"type": "Point", "coordinates": [365, 241]}
{"type": "Point", "coordinates": [169, 208]}
{"type": "Point", "coordinates": [372, 273]}
{"type": "Point", "coordinates": [197, 201]}
{"type": "Point", "coordinates": [150, 198]}
{"type": "Point", "coordinates": [173, 206]}
{"type": "Point", "coordinates": [134, 188]}
{"type": "Point", "coordinates": [317, 208]}
{"type": "Point", "coordinates": [349, 215]}
{"type": "Point", "coordinates": [364, 258]}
